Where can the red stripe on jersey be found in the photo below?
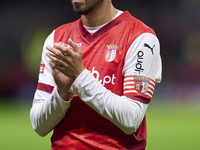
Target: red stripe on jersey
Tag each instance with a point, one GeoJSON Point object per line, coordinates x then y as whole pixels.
{"type": "Point", "coordinates": [145, 99]}
{"type": "Point", "coordinates": [152, 84]}
{"type": "Point", "coordinates": [129, 84]}
{"type": "Point", "coordinates": [150, 93]}
{"type": "Point", "coordinates": [132, 76]}
{"type": "Point", "coordinates": [45, 87]}
{"type": "Point", "coordinates": [133, 92]}
{"type": "Point", "coordinates": [128, 80]}
{"type": "Point", "coordinates": [151, 89]}
{"type": "Point", "coordinates": [128, 76]}
{"type": "Point", "coordinates": [129, 89]}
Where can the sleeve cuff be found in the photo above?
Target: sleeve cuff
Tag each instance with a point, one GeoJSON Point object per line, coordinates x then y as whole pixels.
{"type": "Point", "coordinates": [64, 104]}
{"type": "Point", "coordinates": [78, 80]}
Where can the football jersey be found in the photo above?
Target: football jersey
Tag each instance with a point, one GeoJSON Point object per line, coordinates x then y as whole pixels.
{"type": "Point", "coordinates": [124, 57]}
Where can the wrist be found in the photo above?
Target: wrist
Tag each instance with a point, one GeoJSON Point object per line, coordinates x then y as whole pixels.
{"type": "Point", "coordinates": [78, 73]}
{"type": "Point", "coordinates": [65, 95]}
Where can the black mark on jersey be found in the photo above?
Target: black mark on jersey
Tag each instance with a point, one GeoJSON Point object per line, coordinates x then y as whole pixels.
{"type": "Point", "coordinates": [138, 66]}
{"type": "Point", "coordinates": [151, 48]}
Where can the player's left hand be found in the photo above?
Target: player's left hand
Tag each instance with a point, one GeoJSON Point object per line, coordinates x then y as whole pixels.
{"type": "Point", "coordinates": [65, 60]}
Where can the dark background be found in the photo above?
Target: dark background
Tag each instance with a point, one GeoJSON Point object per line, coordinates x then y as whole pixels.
{"type": "Point", "coordinates": [25, 25]}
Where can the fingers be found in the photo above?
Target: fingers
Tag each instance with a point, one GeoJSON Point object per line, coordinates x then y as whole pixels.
{"type": "Point", "coordinates": [58, 59]}
{"type": "Point", "coordinates": [74, 46]}
{"type": "Point", "coordinates": [61, 49]}
{"type": "Point", "coordinates": [61, 55]}
{"type": "Point", "coordinates": [65, 50]}
{"type": "Point", "coordinates": [54, 60]}
{"type": "Point", "coordinates": [55, 51]}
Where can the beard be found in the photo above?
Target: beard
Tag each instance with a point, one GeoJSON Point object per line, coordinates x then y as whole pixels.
{"type": "Point", "coordinates": [86, 8]}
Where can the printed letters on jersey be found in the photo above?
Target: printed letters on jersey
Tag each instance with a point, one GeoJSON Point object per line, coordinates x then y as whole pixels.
{"type": "Point", "coordinates": [139, 65]}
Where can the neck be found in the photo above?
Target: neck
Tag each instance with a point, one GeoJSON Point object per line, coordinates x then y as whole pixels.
{"type": "Point", "coordinates": [99, 15]}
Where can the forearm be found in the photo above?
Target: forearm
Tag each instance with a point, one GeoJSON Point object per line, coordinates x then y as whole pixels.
{"type": "Point", "coordinates": [125, 113]}
{"type": "Point", "coordinates": [47, 112]}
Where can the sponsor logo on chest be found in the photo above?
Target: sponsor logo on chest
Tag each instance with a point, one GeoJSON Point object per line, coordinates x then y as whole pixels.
{"type": "Point", "coordinates": [104, 80]}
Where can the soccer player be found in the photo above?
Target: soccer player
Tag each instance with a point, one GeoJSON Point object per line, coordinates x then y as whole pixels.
{"type": "Point", "coordinates": [96, 79]}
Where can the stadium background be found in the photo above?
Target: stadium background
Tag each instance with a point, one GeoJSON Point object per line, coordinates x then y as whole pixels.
{"type": "Point", "coordinates": [173, 115]}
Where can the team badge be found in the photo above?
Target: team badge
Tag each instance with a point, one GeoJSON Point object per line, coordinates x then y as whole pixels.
{"type": "Point", "coordinates": [141, 84]}
{"type": "Point", "coordinates": [111, 53]}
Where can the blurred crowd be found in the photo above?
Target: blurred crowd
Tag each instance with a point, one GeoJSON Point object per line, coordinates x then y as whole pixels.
{"type": "Point", "coordinates": [25, 25]}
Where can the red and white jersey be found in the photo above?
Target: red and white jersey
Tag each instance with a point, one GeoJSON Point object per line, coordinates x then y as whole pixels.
{"type": "Point", "coordinates": [124, 55]}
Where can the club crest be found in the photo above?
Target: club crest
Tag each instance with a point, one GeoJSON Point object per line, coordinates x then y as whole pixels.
{"type": "Point", "coordinates": [141, 84]}
{"type": "Point", "coordinates": [111, 53]}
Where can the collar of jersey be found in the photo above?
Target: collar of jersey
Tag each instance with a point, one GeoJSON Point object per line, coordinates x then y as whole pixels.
{"type": "Point", "coordinates": [92, 30]}
{"type": "Point", "coordinates": [92, 37]}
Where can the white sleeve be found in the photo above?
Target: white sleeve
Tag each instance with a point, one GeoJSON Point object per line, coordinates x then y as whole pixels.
{"type": "Point", "coordinates": [143, 58]}
{"type": "Point", "coordinates": [48, 111]}
{"type": "Point", "coordinates": [125, 113]}
{"type": "Point", "coordinates": [143, 67]}
{"type": "Point", "coordinates": [48, 108]}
